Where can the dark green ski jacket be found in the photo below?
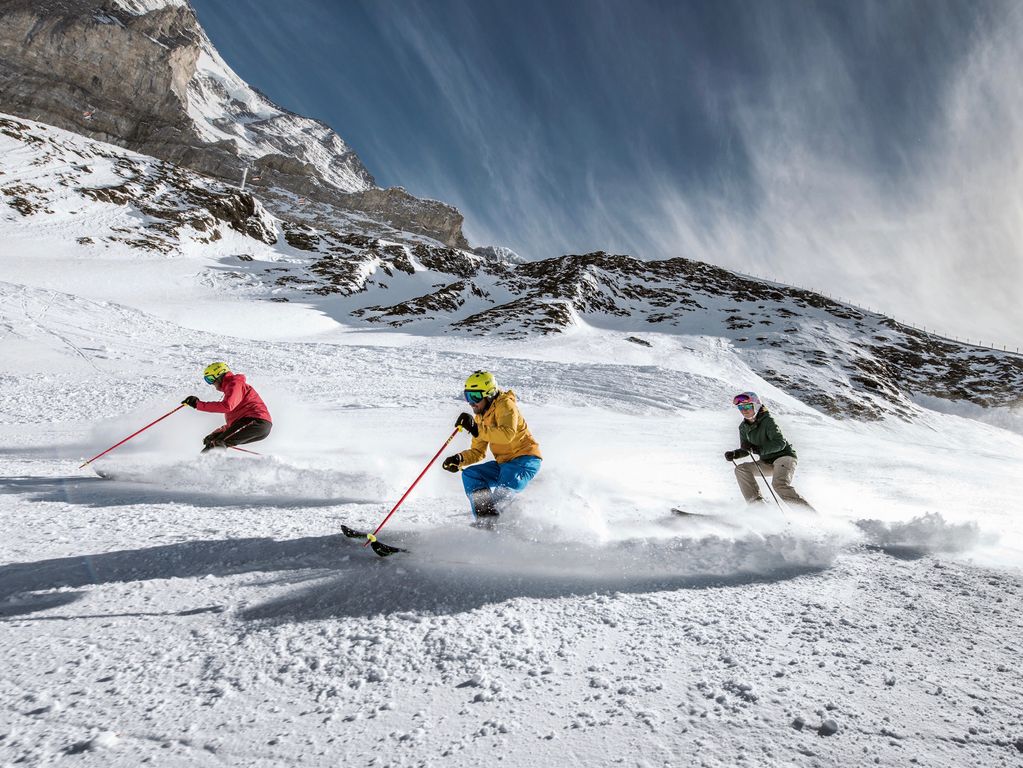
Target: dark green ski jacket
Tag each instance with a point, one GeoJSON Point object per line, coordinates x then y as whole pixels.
{"type": "Point", "coordinates": [764, 437]}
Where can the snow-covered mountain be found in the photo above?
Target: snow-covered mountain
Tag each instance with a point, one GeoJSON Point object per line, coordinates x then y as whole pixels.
{"type": "Point", "coordinates": [843, 360]}
{"type": "Point", "coordinates": [144, 75]}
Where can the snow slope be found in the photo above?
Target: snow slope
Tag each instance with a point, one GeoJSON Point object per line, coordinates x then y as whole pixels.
{"type": "Point", "coordinates": [204, 610]}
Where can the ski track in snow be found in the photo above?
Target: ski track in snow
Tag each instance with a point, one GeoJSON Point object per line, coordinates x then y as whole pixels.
{"type": "Point", "coordinates": [205, 610]}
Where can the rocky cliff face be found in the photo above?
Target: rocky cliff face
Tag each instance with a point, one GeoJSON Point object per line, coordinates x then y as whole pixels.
{"type": "Point", "coordinates": [142, 74]}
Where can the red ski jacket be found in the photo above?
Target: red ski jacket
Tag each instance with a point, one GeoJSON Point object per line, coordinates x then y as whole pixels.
{"type": "Point", "coordinates": [240, 400]}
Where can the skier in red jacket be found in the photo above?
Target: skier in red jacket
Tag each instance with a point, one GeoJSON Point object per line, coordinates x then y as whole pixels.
{"type": "Point", "coordinates": [247, 417]}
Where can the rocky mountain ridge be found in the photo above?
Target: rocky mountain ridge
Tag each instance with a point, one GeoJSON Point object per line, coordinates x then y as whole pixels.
{"type": "Point", "coordinates": [843, 360]}
{"type": "Point", "coordinates": [142, 74]}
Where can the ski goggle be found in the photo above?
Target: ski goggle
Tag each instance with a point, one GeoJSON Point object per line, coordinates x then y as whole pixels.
{"type": "Point", "coordinates": [210, 379]}
{"type": "Point", "coordinates": [746, 406]}
{"type": "Point", "coordinates": [473, 397]}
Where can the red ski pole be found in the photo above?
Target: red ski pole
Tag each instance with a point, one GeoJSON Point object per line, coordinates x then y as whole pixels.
{"type": "Point", "coordinates": [371, 537]}
{"type": "Point", "coordinates": [129, 437]}
{"type": "Point", "coordinates": [244, 450]}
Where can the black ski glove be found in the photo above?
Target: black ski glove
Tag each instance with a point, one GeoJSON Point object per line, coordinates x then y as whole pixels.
{"type": "Point", "coordinates": [451, 463]}
{"type": "Point", "coordinates": [737, 454]}
{"type": "Point", "coordinates": [191, 401]}
{"type": "Point", "coordinates": [468, 423]}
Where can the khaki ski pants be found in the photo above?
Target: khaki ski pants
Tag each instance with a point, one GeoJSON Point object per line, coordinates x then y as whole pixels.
{"type": "Point", "coordinates": [780, 472]}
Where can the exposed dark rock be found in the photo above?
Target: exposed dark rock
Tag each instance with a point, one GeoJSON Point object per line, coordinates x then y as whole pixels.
{"type": "Point", "coordinates": [301, 237]}
{"type": "Point", "coordinates": [448, 299]}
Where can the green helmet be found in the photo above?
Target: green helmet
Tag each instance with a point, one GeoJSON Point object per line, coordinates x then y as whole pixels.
{"type": "Point", "coordinates": [479, 385]}
{"type": "Point", "coordinates": [214, 371]}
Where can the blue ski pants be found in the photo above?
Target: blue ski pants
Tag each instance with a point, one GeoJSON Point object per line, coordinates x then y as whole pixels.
{"type": "Point", "coordinates": [511, 476]}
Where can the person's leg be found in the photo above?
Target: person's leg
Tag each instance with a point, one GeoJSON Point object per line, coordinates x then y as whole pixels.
{"type": "Point", "coordinates": [482, 503]}
{"type": "Point", "coordinates": [247, 430]}
{"type": "Point", "coordinates": [477, 481]}
{"type": "Point", "coordinates": [746, 475]}
{"type": "Point", "coordinates": [516, 474]}
{"type": "Point", "coordinates": [212, 439]}
{"type": "Point", "coordinates": [784, 470]}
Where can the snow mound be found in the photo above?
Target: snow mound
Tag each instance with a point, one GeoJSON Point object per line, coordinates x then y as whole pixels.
{"type": "Point", "coordinates": [622, 563]}
{"type": "Point", "coordinates": [922, 535]}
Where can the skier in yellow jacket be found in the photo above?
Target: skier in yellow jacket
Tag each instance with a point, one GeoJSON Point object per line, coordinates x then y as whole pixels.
{"type": "Point", "coordinates": [495, 422]}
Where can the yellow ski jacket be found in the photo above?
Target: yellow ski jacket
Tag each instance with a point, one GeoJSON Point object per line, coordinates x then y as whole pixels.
{"type": "Point", "coordinates": [504, 430]}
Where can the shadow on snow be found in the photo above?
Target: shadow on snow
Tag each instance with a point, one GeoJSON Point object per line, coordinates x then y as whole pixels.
{"type": "Point", "coordinates": [449, 572]}
{"type": "Point", "coordinates": [97, 492]}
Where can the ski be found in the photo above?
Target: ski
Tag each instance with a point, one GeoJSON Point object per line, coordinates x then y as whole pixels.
{"type": "Point", "coordinates": [378, 546]}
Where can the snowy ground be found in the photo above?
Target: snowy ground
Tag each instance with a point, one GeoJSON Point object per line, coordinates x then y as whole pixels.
{"type": "Point", "coordinates": [204, 609]}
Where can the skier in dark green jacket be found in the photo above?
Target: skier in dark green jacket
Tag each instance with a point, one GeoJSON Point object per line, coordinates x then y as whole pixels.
{"type": "Point", "coordinates": [759, 434]}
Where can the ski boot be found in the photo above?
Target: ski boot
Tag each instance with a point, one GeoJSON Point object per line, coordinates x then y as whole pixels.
{"type": "Point", "coordinates": [484, 510]}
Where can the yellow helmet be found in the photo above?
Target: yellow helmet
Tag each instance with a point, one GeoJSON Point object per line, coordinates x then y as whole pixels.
{"type": "Point", "coordinates": [214, 371]}
{"type": "Point", "coordinates": [479, 385]}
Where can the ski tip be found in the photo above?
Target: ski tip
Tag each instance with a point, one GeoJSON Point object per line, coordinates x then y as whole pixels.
{"type": "Point", "coordinates": [385, 550]}
{"type": "Point", "coordinates": [686, 513]}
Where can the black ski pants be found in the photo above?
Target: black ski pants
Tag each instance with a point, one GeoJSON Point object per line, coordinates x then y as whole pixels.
{"type": "Point", "coordinates": [245, 430]}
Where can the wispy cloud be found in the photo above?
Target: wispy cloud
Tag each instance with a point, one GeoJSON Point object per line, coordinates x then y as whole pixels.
{"type": "Point", "coordinates": [871, 150]}
{"type": "Point", "coordinates": [940, 243]}
{"type": "Point", "coordinates": [932, 232]}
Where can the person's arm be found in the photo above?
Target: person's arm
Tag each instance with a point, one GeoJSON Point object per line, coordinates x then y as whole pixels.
{"type": "Point", "coordinates": [233, 394]}
{"type": "Point", "coordinates": [775, 439]}
{"type": "Point", "coordinates": [744, 445]}
{"type": "Point", "coordinates": [477, 452]}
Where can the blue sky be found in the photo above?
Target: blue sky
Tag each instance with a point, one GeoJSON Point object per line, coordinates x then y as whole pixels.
{"type": "Point", "coordinates": [866, 149]}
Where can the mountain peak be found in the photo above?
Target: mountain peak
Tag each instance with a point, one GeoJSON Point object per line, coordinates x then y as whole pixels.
{"type": "Point", "coordinates": [143, 74]}
{"type": "Point", "coordinates": [167, 92]}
